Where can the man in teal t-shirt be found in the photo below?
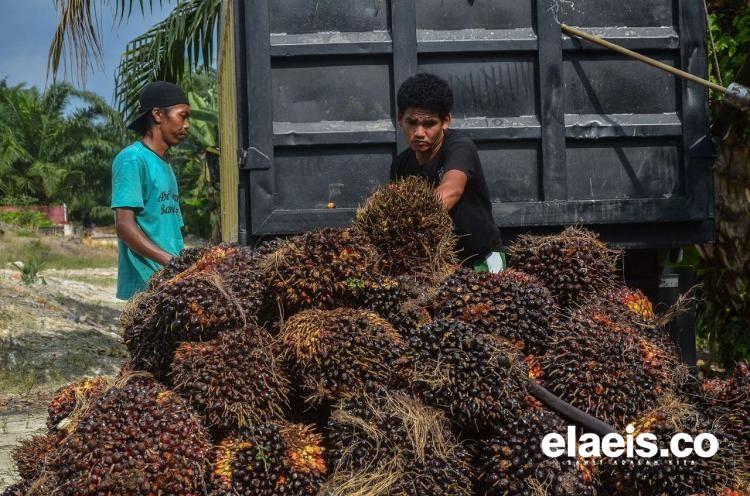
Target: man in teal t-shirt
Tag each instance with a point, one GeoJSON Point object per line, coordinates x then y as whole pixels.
{"type": "Point", "coordinates": [145, 197]}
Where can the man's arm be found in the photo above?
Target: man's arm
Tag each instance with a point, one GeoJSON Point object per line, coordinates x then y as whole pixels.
{"type": "Point", "coordinates": [132, 235]}
{"type": "Point", "coordinates": [451, 188]}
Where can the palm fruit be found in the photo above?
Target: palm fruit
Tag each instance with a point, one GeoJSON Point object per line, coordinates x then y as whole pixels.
{"type": "Point", "coordinates": [390, 444]}
{"type": "Point", "coordinates": [511, 460]}
{"type": "Point", "coordinates": [737, 489]}
{"type": "Point", "coordinates": [673, 476]}
{"type": "Point", "coordinates": [606, 369]}
{"type": "Point", "coordinates": [30, 456]}
{"type": "Point", "coordinates": [270, 459]}
{"type": "Point", "coordinates": [17, 489]}
{"type": "Point", "coordinates": [138, 438]}
{"type": "Point", "coordinates": [572, 264]}
{"type": "Point", "coordinates": [397, 300]}
{"type": "Point", "coordinates": [511, 305]}
{"type": "Point", "coordinates": [632, 309]}
{"type": "Point", "coordinates": [176, 265]}
{"type": "Point", "coordinates": [219, 292]}
{"type": "Point", "coordinates": [340, 352]}
{"type": "Point", "coordinates": [72, 396]}
{"type": "Point", "coordinates": [312, 270]}
{"type": "Point", "coordinates": [478, 379]}
{"type": "Point", "coordinates": [634, 304]}
{"type": "Point", "coordinates": [727, 401]}
{"type": "Point", "coordinates": [233, 380]}
{"type": "Point", "coordinates": [410, 227]}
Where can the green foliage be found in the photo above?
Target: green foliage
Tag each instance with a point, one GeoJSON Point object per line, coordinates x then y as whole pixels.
{"type": "Point", "coordinates": [199, 196]}
{"type": "Point", "coordinates": [29, 219]}
{"type": "Point", "coordinates": [731, 32]}
{"type": "Point", "coordinates": [57, 147]}
{"type": "Point", "coordinates": [730, 29]}
{"type": "Point", "coordinates": [30, 270]}
{"type": "Point", "coordinates": [18, 201]}
{"type": "Point", "coordinates": [723, 319]}
{"type": "Point", "coordinates": [724, 311]}
{"type": "Point", "coordinates": [171, 50]}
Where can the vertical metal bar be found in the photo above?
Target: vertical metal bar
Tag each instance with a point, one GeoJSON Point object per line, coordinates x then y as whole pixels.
{"type": "Point", "coordinates": [697, 178]}
{"type": "Point", "coordinates": [404, 38]}
{"type": "Point", "coordinates": [243, 204]}
{"type": "Point", "coordinates": [259, 159]}
{"type": "Point", "coordinates": [240, 51]}
{"type": "Point", "coordinates": [551, 110]}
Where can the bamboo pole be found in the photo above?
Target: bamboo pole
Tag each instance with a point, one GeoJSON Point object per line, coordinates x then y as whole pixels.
{"type": "Point", "coordinates": [648, 60]}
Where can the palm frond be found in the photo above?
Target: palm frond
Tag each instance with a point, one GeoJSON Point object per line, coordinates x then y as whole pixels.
{"type": "Point", "coordinates": [171, 49]}
{"type": "Point", "coordinates": [76, 45]}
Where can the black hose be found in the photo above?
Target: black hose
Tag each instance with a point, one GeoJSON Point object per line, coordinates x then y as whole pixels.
{"type": "Point", "coordinates": [568, 411]}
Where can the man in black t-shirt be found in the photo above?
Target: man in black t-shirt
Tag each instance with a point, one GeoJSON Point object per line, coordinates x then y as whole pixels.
{"type": "Point", "coordinates": [451, 164]}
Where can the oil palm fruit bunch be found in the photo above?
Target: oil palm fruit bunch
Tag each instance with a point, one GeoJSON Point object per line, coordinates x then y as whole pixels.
{"type": "Point", "coordinates": [634, 305]}
{"type": "Point", "coordinates": [737, 489]}
{"type": "Point", "coordinates": [398, 300]}
{"type": "Point", "coordinates": [340, 352]}
{"type": "Point", "coordinates": [68, 398]}
{"type": "Point", "coordinates": [219, 292]}
{"type": "Point", "coordinates": [511, 460]}
{"type": "Point", "coordinates": [673, 476]}
{"type": "Point", "coordinates": [176, 265]}
{"type": "Point", "coordinates": [31, 454]}
{"type": "Point", "coordinates": [631, 308]}
{"type": "Point", "coordinates": [390, 444]}
{"type": "Point", "coordinates": [572, 264]}
{"type": "Point", "coordinates": [17, 489]}
{"type": "Point", "coordinates": [270, 459]}
{"type": "Point", "coordinates": [232, 380]}
{"type": "Point", "coordinates": [138, 438]}
{"type": "Point", "coordinates": [410, 227]}
{"type": "Point", "coordinates": [312, 270]}
{"type": "Point", "coordinates": [511, 305]}
{"type": "Point", "coordinates": [150, 342]}
{"type": "Point", "coordinates": [727, 401]}
{"type": "Point", "coordinates": [606, 369]}
{"type": "Point", "coordinates": [477, 378]}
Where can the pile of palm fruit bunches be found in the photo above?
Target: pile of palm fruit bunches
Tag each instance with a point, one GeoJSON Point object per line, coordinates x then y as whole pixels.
{"type": "Point", "coordinates": [365, 361]}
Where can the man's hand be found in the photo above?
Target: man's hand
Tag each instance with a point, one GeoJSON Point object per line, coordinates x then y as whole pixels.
{"type": "Point", "coordinates": [132, 235]}
{"type": "Point", "coordinates": [451, 188]}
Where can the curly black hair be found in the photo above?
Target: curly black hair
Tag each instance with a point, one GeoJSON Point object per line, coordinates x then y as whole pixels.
{"type": "Point", "coordinates": [428, 92]}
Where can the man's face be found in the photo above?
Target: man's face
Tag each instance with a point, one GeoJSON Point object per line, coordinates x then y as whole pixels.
{"type": "Point", "coordinates": [174, 123]}
{"type": "Point", "coordinates": [423, 130]}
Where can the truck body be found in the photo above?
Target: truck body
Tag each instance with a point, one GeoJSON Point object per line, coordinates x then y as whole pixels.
{"type": "Point", "coordinates": [568, 133]}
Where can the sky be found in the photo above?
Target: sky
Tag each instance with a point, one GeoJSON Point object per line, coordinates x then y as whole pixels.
{"type": "Point", "coordinates": [26, 30]}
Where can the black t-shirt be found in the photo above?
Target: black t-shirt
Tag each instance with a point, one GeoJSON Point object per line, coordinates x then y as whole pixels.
{"type": "Point", "coordinates": [472, 215]}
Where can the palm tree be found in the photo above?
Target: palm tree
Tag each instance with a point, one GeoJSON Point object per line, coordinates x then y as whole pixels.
{"type": "Point", "coordinates": [52, 154]}
{"type": "Point", "coordinates": [725, 264]}
{"type": "Point", "coordinates": [170, 50]}
{"type": "Point", "coordinates": [198, 189]}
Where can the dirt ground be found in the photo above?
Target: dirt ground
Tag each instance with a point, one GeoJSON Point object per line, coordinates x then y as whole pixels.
{"type": "Point", "coordinates": [51, 335]}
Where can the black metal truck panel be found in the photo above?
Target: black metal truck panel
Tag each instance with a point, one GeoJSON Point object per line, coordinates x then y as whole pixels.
{"type": "Point", "coordinates": [567, 131]}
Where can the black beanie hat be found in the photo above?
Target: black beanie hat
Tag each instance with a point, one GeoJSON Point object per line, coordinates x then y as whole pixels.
{"type": "Point", "coordinates": [159, 94]}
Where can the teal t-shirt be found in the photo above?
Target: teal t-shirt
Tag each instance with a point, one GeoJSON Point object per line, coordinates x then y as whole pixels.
{"type": "Point", "coordinates": [145, 182]}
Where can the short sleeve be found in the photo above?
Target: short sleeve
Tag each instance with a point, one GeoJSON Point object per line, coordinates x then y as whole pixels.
{"type": "Point", "coordinates": [462, 156]}
{"type": "Point", "coordinates": [127, 184]}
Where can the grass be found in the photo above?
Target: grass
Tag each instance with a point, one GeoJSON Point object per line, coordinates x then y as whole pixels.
{"type": "Point", "coordinates": [23, 369]}
{"type": "Point", "coordinates": [56, 253]}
